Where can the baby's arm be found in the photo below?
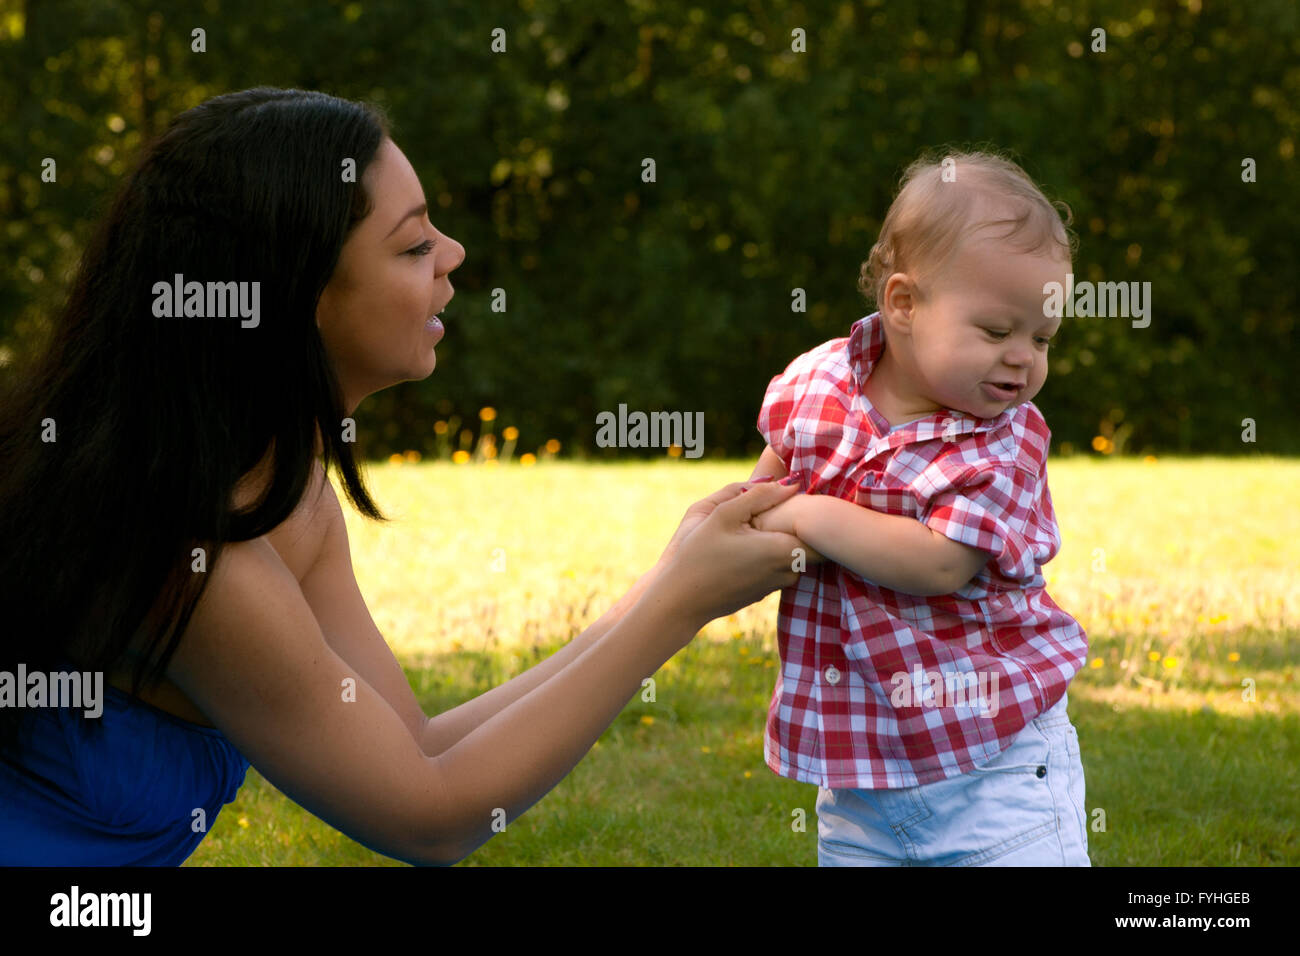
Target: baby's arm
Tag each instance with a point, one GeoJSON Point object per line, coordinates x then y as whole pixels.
{"type": "Point", "coordinates": [890, 550]}
{"type": "Point", "coordinates": [769, 463]}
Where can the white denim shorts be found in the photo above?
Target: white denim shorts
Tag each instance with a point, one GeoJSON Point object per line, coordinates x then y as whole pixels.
{"type": "Point", "coordinates": [1023, 808]}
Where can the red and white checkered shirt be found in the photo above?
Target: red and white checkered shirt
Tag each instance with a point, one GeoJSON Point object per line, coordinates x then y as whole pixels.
{"type": "Point", "coordinates": [880, 689]}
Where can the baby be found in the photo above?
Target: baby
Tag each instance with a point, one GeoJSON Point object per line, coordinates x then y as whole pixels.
{"type": "Point", "coordinates": [923, 665]}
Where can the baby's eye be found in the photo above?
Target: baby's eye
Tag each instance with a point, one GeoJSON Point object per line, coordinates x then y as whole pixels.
{"type": "Point", "coordinates": [1044, 342]}
{"type": "Point", "coordinates": [996, 334]}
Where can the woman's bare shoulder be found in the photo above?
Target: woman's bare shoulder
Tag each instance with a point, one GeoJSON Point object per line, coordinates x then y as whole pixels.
{"type": "Point", "coordinates": [278, 560]}
{"type": "Point", "coordinates": [298, 539]}
{"type": "Point", "coordinates": [255, 660]}
{"type": "Point", "coordinates": [240, 559]}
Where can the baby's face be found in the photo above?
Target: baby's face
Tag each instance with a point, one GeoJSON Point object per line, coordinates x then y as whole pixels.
{"type": "Point", "coordinates": [979, 341]}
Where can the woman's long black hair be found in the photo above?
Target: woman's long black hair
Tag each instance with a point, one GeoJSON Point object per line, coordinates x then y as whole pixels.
{"type": "Point", "coordinates": [122, 443]}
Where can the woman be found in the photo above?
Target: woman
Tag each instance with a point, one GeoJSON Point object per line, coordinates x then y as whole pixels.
{"type": "Point", "coordinates": [167, 520]}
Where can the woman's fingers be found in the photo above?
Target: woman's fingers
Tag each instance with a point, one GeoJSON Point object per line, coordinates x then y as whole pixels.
{"type": "Point", "coordinates": [697, 512]}
{"type": "Point", "coordinates": [707, 505]}
{"type": "Point", "coordinates": [741, 508]}
{"type": "Point", "coordinates": [725, 493]}
{"type": "Point", "coordinates": [786, 545]}
{"type": "Point", "coordinates": [732, 562]}
{"type": "Point", "coordinates": [725, 563]}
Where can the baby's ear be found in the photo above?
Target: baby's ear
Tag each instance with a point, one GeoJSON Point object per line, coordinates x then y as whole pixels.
{"type": "Point", "coordinates": [897, 303]}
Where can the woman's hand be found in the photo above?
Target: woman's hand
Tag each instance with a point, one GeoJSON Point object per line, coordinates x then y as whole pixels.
{"type": "Point", "coordinates": [717, 562]}
{"type": "Point", "coordinates": [697, 513]}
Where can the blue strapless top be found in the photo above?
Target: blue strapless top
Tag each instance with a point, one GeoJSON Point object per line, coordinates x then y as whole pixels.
{"type": "Point", "coordinates": [125, 796]}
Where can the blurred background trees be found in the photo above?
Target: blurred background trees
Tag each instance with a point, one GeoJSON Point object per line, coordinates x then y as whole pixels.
{"type": "Point", "coordinates": [773, 170]}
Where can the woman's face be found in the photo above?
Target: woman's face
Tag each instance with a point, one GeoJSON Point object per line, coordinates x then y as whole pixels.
{"type": "Point", "coordinates": [377, 313]}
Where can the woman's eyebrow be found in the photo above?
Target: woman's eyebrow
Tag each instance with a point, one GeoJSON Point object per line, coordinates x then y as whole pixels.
{"type": "Point", "coordinates": [419, 210]}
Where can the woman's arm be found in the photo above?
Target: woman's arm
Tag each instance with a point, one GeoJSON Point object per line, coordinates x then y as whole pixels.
{"type": "Point", "coordinates": [331, 590]}
{"type": "Point", "coordinates": [255, 661]}
{"type": "Point", "coordinates": [706, 579]}
{"type": "Point", "coordinates": [330, 587]}
{"type": "Point", "coordinates": [443, 730]}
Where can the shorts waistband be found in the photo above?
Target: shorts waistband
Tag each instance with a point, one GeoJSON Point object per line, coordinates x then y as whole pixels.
{"type": "Point", "coordinates": [1055, 715]}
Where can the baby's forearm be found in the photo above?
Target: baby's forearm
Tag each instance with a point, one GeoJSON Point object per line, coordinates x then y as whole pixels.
{"type": "Point", "coordinates": [890, 550]}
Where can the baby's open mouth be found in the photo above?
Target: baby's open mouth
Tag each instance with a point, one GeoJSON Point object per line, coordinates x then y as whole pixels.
{"type": "Point", "coordinates": [1005, 390]}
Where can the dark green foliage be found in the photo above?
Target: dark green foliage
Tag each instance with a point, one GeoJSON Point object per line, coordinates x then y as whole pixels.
{"type": "Point", "coordinates": [774, 170]}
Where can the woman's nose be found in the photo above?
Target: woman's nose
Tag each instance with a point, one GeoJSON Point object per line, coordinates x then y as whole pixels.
{"type": "Point", "coordinates": [457, 251]}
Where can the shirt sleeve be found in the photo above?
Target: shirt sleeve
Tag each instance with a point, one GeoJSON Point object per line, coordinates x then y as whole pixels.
{"type": "Point", "coordinates": [993, 508]}
{"type": "Point", "coordinates": [776, 417]}
{"type": "Point", "coordinates": [803, 380]}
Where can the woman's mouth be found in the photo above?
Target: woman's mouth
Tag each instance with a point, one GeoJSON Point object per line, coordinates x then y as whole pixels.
{"type": "Point", "coordinates": [433, 323]}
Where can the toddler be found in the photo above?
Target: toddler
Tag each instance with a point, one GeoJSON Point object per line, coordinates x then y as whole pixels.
{"type": "Point", "coordinates": [923, 665]}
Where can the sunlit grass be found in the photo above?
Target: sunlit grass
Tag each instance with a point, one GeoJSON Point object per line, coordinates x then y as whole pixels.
{"type": "Point", "coordinates": [1184, 573]}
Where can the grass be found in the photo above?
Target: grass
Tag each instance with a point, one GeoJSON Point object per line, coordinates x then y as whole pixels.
{"type": "Point", "coordinates": [1183, 572]}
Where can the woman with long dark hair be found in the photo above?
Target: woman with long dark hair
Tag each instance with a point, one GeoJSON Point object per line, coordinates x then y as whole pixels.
{"type": "Point", "coordinates": [166, 520]}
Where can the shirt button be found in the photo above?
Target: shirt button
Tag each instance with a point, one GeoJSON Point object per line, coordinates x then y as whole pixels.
{"type": "Point", "coordinates": [832, 675]}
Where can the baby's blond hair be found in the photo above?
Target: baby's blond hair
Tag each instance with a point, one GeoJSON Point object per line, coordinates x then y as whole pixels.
{"type": "Point", "coordinates": [929, 216]}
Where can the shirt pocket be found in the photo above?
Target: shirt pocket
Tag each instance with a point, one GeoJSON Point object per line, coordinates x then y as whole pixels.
{"type": "Point", "coordinates": [876, 491]}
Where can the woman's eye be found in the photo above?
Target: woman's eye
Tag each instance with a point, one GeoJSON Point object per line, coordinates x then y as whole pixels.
{"type": "Point", "coordinates": [423, 249]}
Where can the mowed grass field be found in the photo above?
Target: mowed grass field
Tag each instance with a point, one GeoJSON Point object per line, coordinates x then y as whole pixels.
{"type": "Point", "coordinates": [1184, 573]}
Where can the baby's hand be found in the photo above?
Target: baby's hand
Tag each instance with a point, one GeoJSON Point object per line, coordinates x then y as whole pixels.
{"type": "Point", "coordinates": [782, 519]}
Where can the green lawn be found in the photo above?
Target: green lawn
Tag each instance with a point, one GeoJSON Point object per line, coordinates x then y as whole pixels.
{"type": "Point", "coordinates": [1184, 573]}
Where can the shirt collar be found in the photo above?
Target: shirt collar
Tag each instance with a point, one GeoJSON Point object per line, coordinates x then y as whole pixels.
{"type": "Point", "coordinates": [866, 344]}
